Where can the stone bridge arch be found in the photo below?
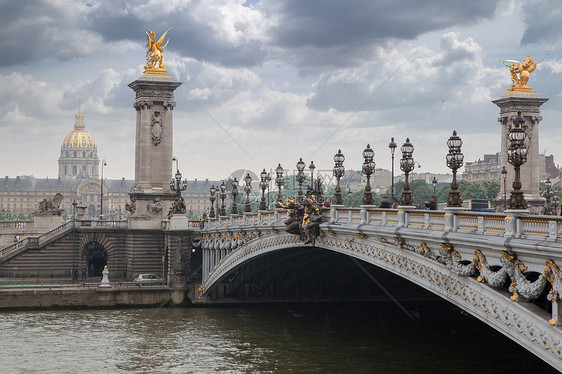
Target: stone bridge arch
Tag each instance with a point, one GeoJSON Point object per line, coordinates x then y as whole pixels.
{"type": "Point", "coordinates": [447, 276]}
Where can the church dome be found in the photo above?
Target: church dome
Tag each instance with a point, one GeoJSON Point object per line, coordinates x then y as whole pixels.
{"type": "Point", "coordinates": [79, 138]}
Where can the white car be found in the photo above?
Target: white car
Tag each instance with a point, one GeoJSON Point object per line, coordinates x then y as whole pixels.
{"type": "Point", "coordinates": [147, 279]}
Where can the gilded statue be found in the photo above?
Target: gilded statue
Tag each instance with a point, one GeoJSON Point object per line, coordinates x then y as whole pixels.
{"type": "Point", "coordinates": [154, 55]}
{"type": "Point", "coordinates": [520, 72]}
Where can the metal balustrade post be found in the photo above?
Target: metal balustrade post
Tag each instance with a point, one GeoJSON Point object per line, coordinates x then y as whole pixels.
{"type": "Point", "coordinates": [426, 220]}
{"type": "Point", "coordinates": [556, 313]}
{"type": "Point", "coordinates": [480, 229]}
{"type": "Point", "coordinates": [384, 218]}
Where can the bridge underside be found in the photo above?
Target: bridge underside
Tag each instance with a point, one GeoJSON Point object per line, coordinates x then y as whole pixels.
{"type": "Point", "coordinates": [311, 274]}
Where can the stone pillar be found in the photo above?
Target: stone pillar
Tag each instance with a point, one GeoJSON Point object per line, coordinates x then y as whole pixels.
{"type": "Point", "coordinates": [529, 106]}
{"type": "Point", "coordinates": [151, 196]}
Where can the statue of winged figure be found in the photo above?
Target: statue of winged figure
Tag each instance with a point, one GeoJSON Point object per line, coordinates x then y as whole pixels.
{"type": "Point", "coordinates": [154, 55]}
{"type": "Point", "coordinates": [520, 72]}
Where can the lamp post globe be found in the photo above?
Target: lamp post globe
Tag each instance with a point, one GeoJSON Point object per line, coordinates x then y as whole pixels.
{"type": "Point", "coordinates": [338, 172]}
{"type": "Point", "coordinates": [279, 181]}
{"type": "Point", "coordinates": [234, 193]}
{"type": "Point", "coordinates": [212, 197]}
{"type": "Point", "coordinates": [454, 161]}
{"type": "Point", "coordinates": [247, 190]}
{"type": "Point", "coordinates": [407, 165]}
{"type": "Point", "coordinates": [300, 175]}
{"type": "Point", "coordinates": [392, 146]}
{"type": "Point", "coordinates": [222, 195]}
{"type": "Point", "coordinates": [263, 186]}
{"type": "Point", "coordinates": [517, 156]}
{"type": "Point", "coordinates": [368, 168]}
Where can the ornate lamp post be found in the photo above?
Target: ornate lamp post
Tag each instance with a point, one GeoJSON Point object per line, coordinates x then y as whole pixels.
{"type": "Point", "coordinates": [368, 169]}
{"type": "Point", "coordinates": [103, 163]}
{"type": "Point", "coordinates": [434, 183]}
{"type": "Point", "coordinates": [279, 181]}
{"type": "Point", "coordinates": [504, 175]}
{"type": "Point", "coordinates": [300, 174]}
{"type": "Point", "coordinates": [339, 170]}
{"type": "Point", "coordinates": [263, 185]}
{"type": "Point", "coordinates": [517, 156]}
{"type": "Point", "coordinates": [407, 165]}
{"type": "Point", "coordinates": [176, 183]}
{"type": "Point", "coordinates": [247, 190]}
{"type": "Point", "coordinates": [234, 193]}
{"type": "Point", "coordinates": [455, 160]}
{"type": "Point", "coordinates": [213, 197]}
{"type": "Point", "coordinates": [311, 167]}
{"type": "Point", "coordinates": [392, 146]}
{"type": "Point", "coordinates": [222, 195]}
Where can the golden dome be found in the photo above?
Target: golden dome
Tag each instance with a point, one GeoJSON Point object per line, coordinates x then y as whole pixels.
{"type": "Point", "coordinates": [79, 138]}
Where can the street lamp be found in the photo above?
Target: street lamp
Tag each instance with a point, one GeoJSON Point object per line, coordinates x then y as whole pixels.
{"type": "Point", "coordinates": [434, 183]}
{"type": "Point", "coordinates": [368, 169]}
{"type": "Point", "coordinates": [247, 190]}
{"type": "Point", "coordinates": [279, 181]}
{"type": "Point", "coordinates": [103, 163]}
{"type": "Point", "coordinates": [300, 174]}
{"type": "Point", "coordinates": [517, 156]}
{"type": "Point", "coordinates": [407, 165]}
{"type": "Point", "coordinates": [234, 194]}
{"type": "Point", "coordinates": [504, 175]}
{"type": "Point", "coordinates": [222, 195]}
{"type": "Point", "coordinates": [349, 195]}
{"type": "Point", "coordinates": [74, 203]}
{"type": "Point", "coordinates": [176, 183]}
{"type": "Point", "coordinates": [392, 146]}
{"type": "Point", "coordinates": [213, 197]}
{"type": "Point", "coordinates": [263, 185]}
{"type": "Point", "coordinates": [455, 160]}
{"type": "Point", "coordinates": [339, 170]}
{"type": "Point", "coordinates": [311, 167]}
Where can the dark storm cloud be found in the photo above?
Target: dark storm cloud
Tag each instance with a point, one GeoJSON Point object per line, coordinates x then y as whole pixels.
{"type": "Point", "coordinates": [544, 22]}
{"type": "Point", "coordinates": [32, 31]}
{"type": "Point", "coordinates": [329, 23]}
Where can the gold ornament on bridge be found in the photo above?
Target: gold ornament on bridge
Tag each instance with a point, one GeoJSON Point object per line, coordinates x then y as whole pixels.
{"type": "Point", "coordinates": [520, 72]}
{"type": "Point", "coordinates": [155, 55]}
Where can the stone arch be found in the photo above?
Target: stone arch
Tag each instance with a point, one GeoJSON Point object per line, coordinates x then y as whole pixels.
{"type": "Point", "coordinates": [96, 250]}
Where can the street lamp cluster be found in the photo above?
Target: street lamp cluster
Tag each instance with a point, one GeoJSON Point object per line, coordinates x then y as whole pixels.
{"type": "Point", "coordinates": [517, 155]}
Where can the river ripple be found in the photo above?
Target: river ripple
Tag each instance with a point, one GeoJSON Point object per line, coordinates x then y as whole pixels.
{"type": "Point", "coordinates": [306, 338]}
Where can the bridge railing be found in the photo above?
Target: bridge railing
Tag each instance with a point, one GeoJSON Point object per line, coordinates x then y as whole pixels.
{"type": "Point", "coordinates": [19, 224]}
{"type": "Point", "coordinates": [516, 224]}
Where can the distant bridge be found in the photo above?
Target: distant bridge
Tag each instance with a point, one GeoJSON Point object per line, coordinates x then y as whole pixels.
{"type": "Point", "coordinates": [502, 269]}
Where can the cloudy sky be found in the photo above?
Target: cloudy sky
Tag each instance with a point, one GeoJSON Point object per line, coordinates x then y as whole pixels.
{"type": "Point", "coordinates": [269, 81]}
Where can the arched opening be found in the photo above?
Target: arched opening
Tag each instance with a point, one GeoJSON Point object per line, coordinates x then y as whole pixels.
{"type": "Point", "coordinates": [92, 210]}
{"type": "Point", "coordinates": [96, 259]}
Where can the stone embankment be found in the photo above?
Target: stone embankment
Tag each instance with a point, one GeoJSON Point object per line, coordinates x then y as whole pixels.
{"type": "Point", "coordinates": [82, 297]}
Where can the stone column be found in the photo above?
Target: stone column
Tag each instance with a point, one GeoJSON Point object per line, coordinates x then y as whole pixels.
{"type": "Point", "coordinates": [151, 196]}
{"type": "Point", "coordinates": [529, 106]}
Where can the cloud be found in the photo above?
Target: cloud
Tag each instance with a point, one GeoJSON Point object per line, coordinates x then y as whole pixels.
{"type": "Point", "coordinates": [543, 19]}
{"type": "Point", "coordinates": [453, 77]}
{"type": "Point", "coordinates": [339, 33]}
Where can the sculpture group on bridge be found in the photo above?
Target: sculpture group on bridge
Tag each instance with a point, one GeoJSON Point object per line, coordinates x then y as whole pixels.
{"type": "Point", "coordinates": [50, 206]}
{"type": "Point", "coordinates": [304, 218]}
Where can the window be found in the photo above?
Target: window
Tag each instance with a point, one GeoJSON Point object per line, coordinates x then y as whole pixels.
{"type": "Point", "coordinates": [74, 153]}
{"type": "Point", "coordinates": [65, 170]}
{"type": "Point", "coordinates": [74, 170]}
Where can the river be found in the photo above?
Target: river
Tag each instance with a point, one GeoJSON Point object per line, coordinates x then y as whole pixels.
{"type": "Point", "coordinates": [284, 338]}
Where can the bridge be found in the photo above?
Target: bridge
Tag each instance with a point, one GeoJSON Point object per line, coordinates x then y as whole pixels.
{"type": "Point", "coordinates": [500, 268]}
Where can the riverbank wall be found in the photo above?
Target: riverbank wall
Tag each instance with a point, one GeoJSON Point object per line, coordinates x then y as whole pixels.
{"type": "Point", "coordinates": [84, 298]}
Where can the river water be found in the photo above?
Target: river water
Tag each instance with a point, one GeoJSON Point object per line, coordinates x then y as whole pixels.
{"type": "Point", "coordinates": [283, 338]}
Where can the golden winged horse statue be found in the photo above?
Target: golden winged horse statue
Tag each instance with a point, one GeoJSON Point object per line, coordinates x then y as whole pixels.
{"type": "Point", "coordinates": [154, 55]}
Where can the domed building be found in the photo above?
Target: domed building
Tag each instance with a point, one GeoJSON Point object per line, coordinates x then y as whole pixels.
{"type": "Point", "coordinates": [78, 153]}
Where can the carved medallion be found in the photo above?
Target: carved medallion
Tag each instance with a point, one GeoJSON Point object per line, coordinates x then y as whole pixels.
{"type": "Point", "coordinates": [156, 127]}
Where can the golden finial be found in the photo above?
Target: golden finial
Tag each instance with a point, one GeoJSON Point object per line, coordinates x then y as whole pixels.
{"type": "Point", "coordinates": [520, 72]}
{"type": "Point", "coordinates": [155, 54]}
